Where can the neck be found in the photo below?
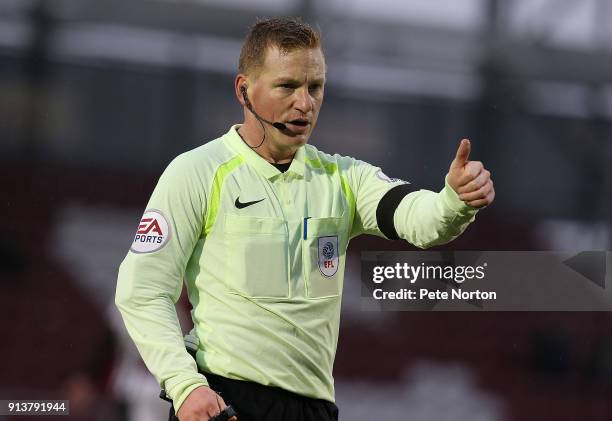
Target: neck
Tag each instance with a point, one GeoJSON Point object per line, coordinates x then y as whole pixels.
{"type": "Point", "coordinates": [253, 137]}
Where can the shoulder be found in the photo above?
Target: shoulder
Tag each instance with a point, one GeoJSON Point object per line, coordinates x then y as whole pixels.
{"type": "Point", "coordinates": [356, 171]}
{"type": "Point", "coordinates": [316, 158]}
{"type": "Point", "coordinates": [201, 162]}
{"type": "Point", "coordinates": [211, 154]}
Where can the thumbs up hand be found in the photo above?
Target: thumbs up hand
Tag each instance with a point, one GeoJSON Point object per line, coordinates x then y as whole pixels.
{"type": "Point", "coordinates": [470, 180]}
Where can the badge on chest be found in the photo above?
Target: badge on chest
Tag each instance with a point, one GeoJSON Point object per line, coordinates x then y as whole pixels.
{"type": "Point", "coordinates": [328, 255]}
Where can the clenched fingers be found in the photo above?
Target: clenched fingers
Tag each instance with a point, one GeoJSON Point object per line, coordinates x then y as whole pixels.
{"type": "Point", "coordinates": [221, 406]}
{"type": "Point", "coordinates": [470, 172]}
{"type": "Point", "coordinates": [479, 193]}
{"type": "Point", "coordinates": [477, 183]}
{"type": "Point", "coordinates": [482, 202]}
{"type": "Point", "coordinates": [201, 404]}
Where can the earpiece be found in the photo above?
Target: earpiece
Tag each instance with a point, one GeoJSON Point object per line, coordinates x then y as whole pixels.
{"type": "Point", "coordinates": [243, 90]}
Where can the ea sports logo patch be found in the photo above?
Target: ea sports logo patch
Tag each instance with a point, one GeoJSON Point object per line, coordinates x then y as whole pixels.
{"type": "Point", "coordinates": [328, 255]}
{"type": "Point", "coordinates": [152, 233]}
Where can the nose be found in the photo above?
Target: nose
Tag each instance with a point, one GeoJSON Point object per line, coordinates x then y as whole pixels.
{"type": "Point", "coordinates": [303, 101]}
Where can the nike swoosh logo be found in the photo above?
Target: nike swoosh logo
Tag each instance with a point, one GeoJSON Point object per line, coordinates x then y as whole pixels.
{"type": "Point", "coordinates": [241, 205]}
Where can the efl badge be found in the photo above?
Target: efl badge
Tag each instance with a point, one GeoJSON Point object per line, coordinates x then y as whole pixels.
{"type": "Point", "coordinates": [328, 255]}
{"type": "Point", "coordinates": [153, 232]}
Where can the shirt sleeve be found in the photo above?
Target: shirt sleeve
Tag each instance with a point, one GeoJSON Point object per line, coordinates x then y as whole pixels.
{"type": "Point", "coordinates": [394, 209]}
{"type": "Point", "coordinates": [425, 218]}
{"type": "Point", "coordinates": [151, 276]}
{"type": "Point", "coordinates": [368, 185]}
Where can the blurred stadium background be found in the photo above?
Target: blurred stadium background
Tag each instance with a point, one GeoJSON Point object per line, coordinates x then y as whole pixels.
{"type": "Point", "coordinates": [97, 97]}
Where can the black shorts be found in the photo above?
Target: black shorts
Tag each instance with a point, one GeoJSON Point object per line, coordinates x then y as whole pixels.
{"type": "Point", "coordinates": [255, 402]}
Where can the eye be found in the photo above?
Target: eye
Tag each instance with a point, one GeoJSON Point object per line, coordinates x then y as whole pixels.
{"type": "Point", "coordinates": [315, 88]}
{"type": "Point", "coordinates": [287, 86]}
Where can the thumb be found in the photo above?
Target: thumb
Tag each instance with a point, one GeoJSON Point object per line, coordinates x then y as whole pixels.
{"type": "Point", "coordinates": [463, 153]}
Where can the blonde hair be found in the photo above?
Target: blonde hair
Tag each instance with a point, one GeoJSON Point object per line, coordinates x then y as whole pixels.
{"type": "Point", "coordinates": [286, 33]}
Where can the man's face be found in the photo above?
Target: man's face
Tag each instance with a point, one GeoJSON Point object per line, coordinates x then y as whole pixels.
{"type": "Point", "coordinates": [289, 89]}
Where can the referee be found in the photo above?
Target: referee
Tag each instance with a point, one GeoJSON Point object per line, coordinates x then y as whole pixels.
{"type": "Point", "coordinates": [257, 223]}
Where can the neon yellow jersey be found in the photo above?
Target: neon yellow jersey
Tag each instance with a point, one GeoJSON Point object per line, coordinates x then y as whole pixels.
{"type": "Point", "coordinates": [262, 254]}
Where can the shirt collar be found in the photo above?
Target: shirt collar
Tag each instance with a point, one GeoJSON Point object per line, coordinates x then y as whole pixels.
{"type": "Point", "coordinates": [235, 142]}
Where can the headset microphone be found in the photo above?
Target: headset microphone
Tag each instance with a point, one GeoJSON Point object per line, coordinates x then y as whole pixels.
{"type": "Point", "coordinates": [277, 125]}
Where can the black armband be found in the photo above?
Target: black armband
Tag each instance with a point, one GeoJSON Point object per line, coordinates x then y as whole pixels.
{"type": "Point", "coordinates": [386, 209]}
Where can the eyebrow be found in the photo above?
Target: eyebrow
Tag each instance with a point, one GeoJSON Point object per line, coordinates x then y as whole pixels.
{"type": "Point", "coordinates": [297, 82]}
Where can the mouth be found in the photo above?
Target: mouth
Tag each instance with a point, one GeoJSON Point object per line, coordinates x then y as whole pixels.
{"type": "Point", "coordinates": [299, 125]}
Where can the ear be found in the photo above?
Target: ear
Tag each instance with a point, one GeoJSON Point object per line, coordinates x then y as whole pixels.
{"type": "Point", "coordinates": [240, 88]}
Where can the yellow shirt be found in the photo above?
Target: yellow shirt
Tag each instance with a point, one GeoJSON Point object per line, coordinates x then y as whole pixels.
{"type": "Point", "coordinates": [262, 254]}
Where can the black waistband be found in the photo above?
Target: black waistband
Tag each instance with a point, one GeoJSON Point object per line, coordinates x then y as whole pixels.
{"type": "Point", "coordinates": [221, 384]}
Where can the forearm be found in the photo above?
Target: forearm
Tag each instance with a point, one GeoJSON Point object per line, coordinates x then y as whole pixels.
{"type": "Point", "coordinates": [425, 218]}
{"type": "Point", "coordinates": [150, 317]}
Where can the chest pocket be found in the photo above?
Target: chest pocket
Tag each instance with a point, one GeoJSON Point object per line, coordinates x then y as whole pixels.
{"type": "Point", "coordinates": [256, 256]}
{"type": "Point", "coordinates": [323, 256]}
